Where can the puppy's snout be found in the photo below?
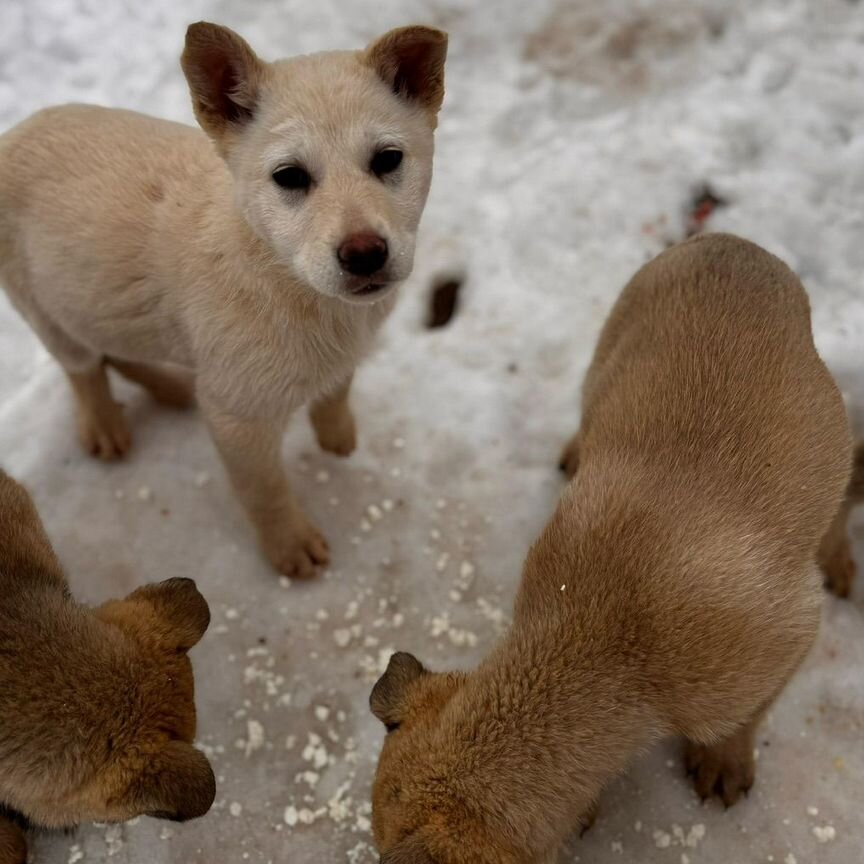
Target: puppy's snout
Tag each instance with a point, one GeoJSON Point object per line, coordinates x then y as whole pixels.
{"type": "Point", "coordinates": [363, 254]}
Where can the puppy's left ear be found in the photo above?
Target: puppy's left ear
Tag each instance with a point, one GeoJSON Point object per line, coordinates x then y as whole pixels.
{"type": "Point", "coordinates": [172, 614]}
{"type": "Point", "coordinates": [411, 61]}
{"type": "Point", "coordinates": [225, 77]}
{"type": "Point", "coordinates": [178, 784]}
{"type": "Point", "coordinates": [387, 699]}
{"type": "Point", "coordinates": [411, 850]}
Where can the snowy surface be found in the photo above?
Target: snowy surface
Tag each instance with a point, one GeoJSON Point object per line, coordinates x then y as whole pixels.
{"type": "Point", "coordinates": [573, 136]}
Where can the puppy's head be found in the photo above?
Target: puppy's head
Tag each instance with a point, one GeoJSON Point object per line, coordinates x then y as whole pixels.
{"type": "Point", "coordinates": [416, 815]}
{"type": "Point", "coordinates": [139, 743]}
{"type": "Point", "coordinates": [331, 153]}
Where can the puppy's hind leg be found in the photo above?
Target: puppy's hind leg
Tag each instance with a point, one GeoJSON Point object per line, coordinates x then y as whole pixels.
{"type": "Point", "coordinates": [167, 387]}
{"type": "Point", "coordinates": [102, 427]}
{"type": "Point", "coordinates": [726, 769]}
{"type": "Point", "coordinates": [835, 553]}
{"type": "Point", "coordinates": [13, 846]}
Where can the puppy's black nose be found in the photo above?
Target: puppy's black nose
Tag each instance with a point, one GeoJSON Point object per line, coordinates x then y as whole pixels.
{"type": "Point", "coordinates": [363, 254]}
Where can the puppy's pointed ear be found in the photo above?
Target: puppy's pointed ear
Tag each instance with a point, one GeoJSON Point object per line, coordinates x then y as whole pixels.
{"type": "Point", "coordinates": [411, 61]}
{"type": "Point", "coordinates": [172, 614]}
{"type": "Point", "coordinates": [387, 699]}
{"type": "Point", "coordinates": [411, 850]}
{"type": "Point", "coordinates": [225, 78]}
{"type": "Point", "coordinates": [178, 784]}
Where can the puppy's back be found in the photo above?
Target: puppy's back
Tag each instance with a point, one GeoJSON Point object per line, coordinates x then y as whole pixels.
{"type": "Point", "coordinates": [707, 371]}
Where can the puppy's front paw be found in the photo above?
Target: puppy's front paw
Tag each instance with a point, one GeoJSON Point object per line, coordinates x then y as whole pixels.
{"type": "Point", "coordinates": [298, 550]}
{"type": "Point", "coordinates": [105, 434]}
{"type": "Point", "coordinates": [339, 434]}
{"type": "Point", "coordinates": [727, 769]}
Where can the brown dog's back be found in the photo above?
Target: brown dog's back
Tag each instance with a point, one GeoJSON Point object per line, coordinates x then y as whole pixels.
{"type": "Point", "coordinates": [715, 440]}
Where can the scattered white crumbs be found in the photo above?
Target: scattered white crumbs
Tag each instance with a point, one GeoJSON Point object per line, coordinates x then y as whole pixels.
{"type": "Point", "coordinates": [75, 854]}
{"type": "Point", "coordinates": [322, 712]}
{"type": "Point", "coordinates": [662, 840]}
{"type": "Point", "coordinates": [342, 637]}
{"type": "Point", "coordinates": [114, 839]}
{"type": "Point", "coordinates": [202, 478]}
{"type": "Point", "coordinates": [235, 809]}
{"type": "Point", "coordinates": [824, 833]}
{"type": "Point", "coordinates": [374, 512]}
{"type": "Point", "coordinates": [145, 493]}
{"type": "Point", "coordinates": [255, 737]}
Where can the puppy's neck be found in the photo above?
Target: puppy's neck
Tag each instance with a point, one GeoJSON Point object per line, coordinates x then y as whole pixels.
{"type": "Point", "coordinates": [562, 704]}
{"type": "Point", "coordinates": [549, 715]}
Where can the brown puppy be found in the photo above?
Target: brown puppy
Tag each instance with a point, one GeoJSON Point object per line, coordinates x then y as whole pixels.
{"type": "Point", "coordinates": [673, 592]}
{"type": "Point", "coordinates": [259, 258]}
{"type": "Point", "coordinates": [97, 712]}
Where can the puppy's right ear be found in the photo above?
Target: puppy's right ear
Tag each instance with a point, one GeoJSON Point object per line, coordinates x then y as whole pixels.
{"type": "Point", "coordinates": [172, 614]}
{"type": "Point", "coordinates": [225, 77]}
{"type": "Point", "coordinates": [411, 850]}
{"type": "Point", "coordinates": [178, 784]}
{"type": "Point", "coordinates": [387, 699]}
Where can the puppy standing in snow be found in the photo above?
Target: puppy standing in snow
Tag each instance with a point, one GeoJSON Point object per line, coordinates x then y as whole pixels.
{"type": "Point", "coordinates": [261, 267]}
{"type": "Point", "coordinates": [674, 591]}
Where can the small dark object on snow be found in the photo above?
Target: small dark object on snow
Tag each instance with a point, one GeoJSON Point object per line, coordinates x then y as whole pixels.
{"type": "Point", "coordinates": [702, 205]}
{"type": "Point", "coordinates": [445, 299]}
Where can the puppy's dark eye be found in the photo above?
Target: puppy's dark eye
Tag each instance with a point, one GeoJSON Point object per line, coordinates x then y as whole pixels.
{"type": "Point", "coordinates": [392, 727]}
{"type": "Point", "coordinates": [386, 161]}
{"type": "Point", "coordinates": [292, 177]}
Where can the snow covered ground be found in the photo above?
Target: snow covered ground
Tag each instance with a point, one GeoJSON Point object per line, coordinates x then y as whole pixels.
{"type": "Point", "coordinates": [573, 137]}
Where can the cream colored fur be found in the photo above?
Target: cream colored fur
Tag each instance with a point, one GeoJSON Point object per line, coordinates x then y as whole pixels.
{"type": "Point", "coordinates": [136, 242]}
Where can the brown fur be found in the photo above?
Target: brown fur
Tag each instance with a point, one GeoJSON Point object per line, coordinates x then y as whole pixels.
{"type": "Point", "coordinates": [97, 711]}
{"type": "Point", "coordinates": [152, 247]}
{"type": "Point", "coordinates": [673, 592]}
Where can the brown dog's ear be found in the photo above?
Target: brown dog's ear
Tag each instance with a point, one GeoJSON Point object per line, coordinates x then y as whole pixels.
{"type": "Point", "coordinates": [411, 61]}
{"type": "Point", "coordinates": [178, 784]}
{"type": "Point", "coordinates": [224, 75]}
{"type": "Point", "coordinates": [172, 614]}
{"type": "Point", "coordinates": [387, 699]}
{"type": "Point", "coordinates": [411, 850]}
{"type": "Point", "coordinates": [25, 550]}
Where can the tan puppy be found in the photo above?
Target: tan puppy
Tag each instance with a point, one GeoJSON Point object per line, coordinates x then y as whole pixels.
{"type": "Point", "coordinates": [674, 591]}
{"type": "Point", "coordinates": [262, 265]}
{"type": "Point", "coordinates": [97, 711]}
